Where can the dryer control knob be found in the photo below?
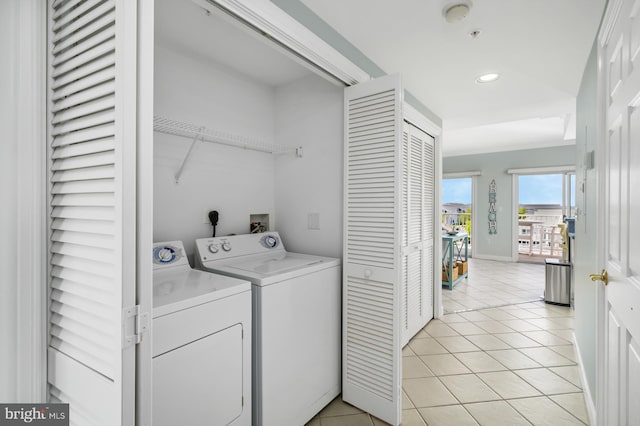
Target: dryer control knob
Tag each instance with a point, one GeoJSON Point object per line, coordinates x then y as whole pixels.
{"type": "Point", "coordinates": [213, 248]}
{"type": "Point", "coordinates": [226, 246]}
{"type": "Point", "coordinates": [165, 255]}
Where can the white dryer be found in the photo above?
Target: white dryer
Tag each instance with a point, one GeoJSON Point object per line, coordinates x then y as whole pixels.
{"type": "Point", "coordinates": [296, 323]}
{"type": "Point", "coordinates": [201, 343]}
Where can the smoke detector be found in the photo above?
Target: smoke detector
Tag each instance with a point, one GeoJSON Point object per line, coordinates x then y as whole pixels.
{"type": "Point", "coordinates": [456, 12]}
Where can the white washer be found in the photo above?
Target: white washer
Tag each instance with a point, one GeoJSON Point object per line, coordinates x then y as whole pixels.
{"type": "Point", "coordinates": [201, 343]}
{"type": "Point", "coordinates": [296, 323]}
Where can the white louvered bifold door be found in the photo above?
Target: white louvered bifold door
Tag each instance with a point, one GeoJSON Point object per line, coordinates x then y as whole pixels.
{"type": "Point", "coordinates": [372, 358]}
{"type": "Point", "coordinates": [92, 146]}
{"type": "Point", "coordinates": [417, 230]}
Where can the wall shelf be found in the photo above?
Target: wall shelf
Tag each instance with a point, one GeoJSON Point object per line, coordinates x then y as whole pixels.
{"type": "Point", "coordinates": [195, 132]}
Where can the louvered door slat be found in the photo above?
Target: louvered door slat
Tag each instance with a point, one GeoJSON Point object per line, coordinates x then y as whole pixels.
{"type": "Point", "coordinates": [371, 309]}
{"type": "Point", "coordinates": [91, 130]}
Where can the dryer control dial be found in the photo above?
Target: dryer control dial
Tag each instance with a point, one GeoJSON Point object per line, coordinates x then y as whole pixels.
{"type": "Point", "coordinates": [213, 248]}
{"type": "Point", "coordinates": [163, 255]}
{"type": "Point", "coordinates": [226, 246]}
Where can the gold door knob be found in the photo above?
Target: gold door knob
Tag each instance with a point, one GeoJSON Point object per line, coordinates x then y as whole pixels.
{"type": "Point", "coordinates": [604, 277]}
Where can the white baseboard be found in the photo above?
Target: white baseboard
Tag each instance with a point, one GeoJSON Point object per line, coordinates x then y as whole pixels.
{"type": "Point", "coordinates": [490, 257]}
{"type": "Point", "coordinates": [588, 400]}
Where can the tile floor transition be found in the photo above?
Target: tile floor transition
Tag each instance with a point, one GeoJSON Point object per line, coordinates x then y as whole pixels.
{"type": "Point", "coordinates": [493, 283]}
{"type": "Point", "coordinates": [507, 365]}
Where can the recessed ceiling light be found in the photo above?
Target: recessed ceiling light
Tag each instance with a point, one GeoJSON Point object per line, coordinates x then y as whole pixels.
{"type": "Point", "coordinates": [487, 78]}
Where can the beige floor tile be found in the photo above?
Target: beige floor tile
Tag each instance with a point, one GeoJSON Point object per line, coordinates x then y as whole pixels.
{"type": "Point", "coordinates": [546, 357]}
{"type": "Point", "coordinates": [508, 385]}
{"type": "Point", "coordinates": [573, 403]}
{"type": "Point", "coordinates": [545, 338]}
{"type": "Point", "coordinates": [406, 351]}
{"type": "Point", "coordinates": [406, 402]}
{"type": "Point", "coordinates": [541, 411]}
{"type": "Point", "coordinates": [523, 314]}
{"type": "Point", "coordinates": [447, 416]}
{"type": "Point", "coordinates": [409, 418]}
{"type": "Point", "coordinates": [348, 420]}
{"type": "Point", "coordinates": [513, 359]}
{"type": "Point", "coordinates": [517, 340]}
{"type": "Point", "coordinates": [439, 329]}
{"type": "Point", "coordinates": [520, 325]}
{"type": "Point", "coordinates": [457, 344]}
{"type": "Point", "coordinates": [488, 342]}
{"type": "Point", "coordinates": [445, 364]}
{"type": "Point", "coordinates": [499, 314]}
{"type": "Point", "coordinates": [546, 324]}
{"type": "Point", "coordinates": [479, 362]}
{"type": "Point", "coordinates": [427, 392]}
{"type": "Point", "coordinates": [496, 413]}
{"type": "Point", "coordinates": [467, 328]}
{"type": "Point", "coordinates": [451, 318]}
{"type": "Point", "coordinates": [428, 346]}
{"type": "Point", "coordinates": [546, 381]}
{"type": "Point", "coordinates": [413, 368]}
{"type": "Point", "coordinates": [570, 373]}
{"type": "Point", "coordinates": [566, 351]}
{"type": "Point", "coordinates": [338, 407]}
{"type": "Point", "coordinates": [494, 326]}
{"type": "Point", "coordinates": [469, 388]}
{"type": "Point", "coordinates": [475, 316]}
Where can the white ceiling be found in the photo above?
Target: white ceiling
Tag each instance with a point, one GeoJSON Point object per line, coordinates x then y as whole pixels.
{"type": "Point", "coordinates": [540, 48]}
{"type": "Point", "coordinates": [183, 25]}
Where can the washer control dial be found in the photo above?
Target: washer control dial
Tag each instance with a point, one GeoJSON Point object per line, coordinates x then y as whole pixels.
{"type": "Point", "coordinates": [226, 246]}
{"type": "Point", "coordinates": [213, 248]}
{"type": "Point", "coordinates": [270, 241]}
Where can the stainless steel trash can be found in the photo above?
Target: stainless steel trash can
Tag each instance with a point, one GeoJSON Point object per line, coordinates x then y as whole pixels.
{"type": "Point", "coordinates": [557, 288]}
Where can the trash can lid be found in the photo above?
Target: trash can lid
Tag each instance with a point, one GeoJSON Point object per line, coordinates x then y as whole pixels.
{"type": "Point", "coordinates": [554, 261]}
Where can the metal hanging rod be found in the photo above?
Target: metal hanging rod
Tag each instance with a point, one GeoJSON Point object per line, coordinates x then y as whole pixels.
{"type": "Point", "coordinates": [195, 132]}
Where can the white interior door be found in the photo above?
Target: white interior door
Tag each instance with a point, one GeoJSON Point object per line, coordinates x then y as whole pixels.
{"type": "Point", "coordinates": [372, 356]}
{"type": "Point", "coordinates": [619, 200]}
{"type": "Point", "coordinates": [92, 175]}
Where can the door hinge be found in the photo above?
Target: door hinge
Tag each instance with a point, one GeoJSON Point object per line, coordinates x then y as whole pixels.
{"type": "Point", "coordinates": [135, 324]}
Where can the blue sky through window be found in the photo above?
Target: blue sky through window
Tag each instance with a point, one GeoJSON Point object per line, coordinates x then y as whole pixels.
{"type": "Point", "coordinates": [540, 189]}
{"type": "Point", "coordinates": [456, 191]}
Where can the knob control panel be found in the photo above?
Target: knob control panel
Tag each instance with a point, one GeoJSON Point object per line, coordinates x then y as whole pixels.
{"type": "Point", "coordinates": [166, 254]}
{"type": "Point", "coordinates": [226, 246]}
{"type": "Point", "coordinates": [213, 248]}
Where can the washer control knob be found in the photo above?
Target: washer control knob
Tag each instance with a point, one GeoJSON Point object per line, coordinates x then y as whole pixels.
{"type": "Point", "coordinates": [270, 241]}
{"type": "Point", "coordinates": [213, 248]}
{"type": "Point", "coordinates": [226, 246]}
{"type": "Point", "coordinates": [165, 255]}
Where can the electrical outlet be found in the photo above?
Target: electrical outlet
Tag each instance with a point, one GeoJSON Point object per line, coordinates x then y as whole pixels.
{"type": "Point", "coordinates": [205, 215]}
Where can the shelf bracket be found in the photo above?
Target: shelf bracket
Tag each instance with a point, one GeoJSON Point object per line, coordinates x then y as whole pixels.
{"type": "Point", "coordinates": [186, 157]}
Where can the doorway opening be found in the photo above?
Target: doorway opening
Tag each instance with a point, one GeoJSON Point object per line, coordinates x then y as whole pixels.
{"type": "Point", "coordinates": [457, 205]}
{"type": "Point", "coordinates": [544, 201]}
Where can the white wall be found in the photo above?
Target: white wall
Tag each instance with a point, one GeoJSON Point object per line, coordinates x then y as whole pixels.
{"type": "Point", "coordinates": [309, 113]}
{"type": "Point", "coordinates": [233, 181]}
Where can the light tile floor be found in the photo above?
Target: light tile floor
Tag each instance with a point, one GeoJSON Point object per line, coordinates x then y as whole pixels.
{"type": "Point", "coordinates": [512, 365]}
{"type": "Point", "coordinates": [493, 283]}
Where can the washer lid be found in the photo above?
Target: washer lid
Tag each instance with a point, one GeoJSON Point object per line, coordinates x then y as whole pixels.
{"type": "Point", "coordinates": [177, 290]}
{"type": "Point", "coordinates": [270, 268]}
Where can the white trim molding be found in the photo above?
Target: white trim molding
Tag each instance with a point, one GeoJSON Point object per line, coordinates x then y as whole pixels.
{"type": "Point", "coordinates": [418, 119]}
{"type": "Point", "coordinates": [586, 391]}
{"type": "Point", "coordinates": [285, 31]}
{"type": "Point", "coordinates": [456, 175]}
{"type": "Point", "coordinates": [30, 105]}
{"type": "Point", "coordinates": [491, 257]}
{"type": "Point", "coordinates": [542, 170]}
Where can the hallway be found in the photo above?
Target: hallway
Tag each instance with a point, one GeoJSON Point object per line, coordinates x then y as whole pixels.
{"type": "Point", "coordinates": [505, 358]}
{"type": "Point", "coordinates": [513, 365]}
